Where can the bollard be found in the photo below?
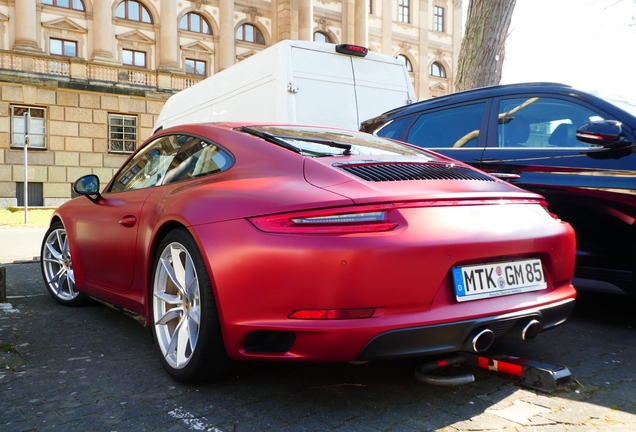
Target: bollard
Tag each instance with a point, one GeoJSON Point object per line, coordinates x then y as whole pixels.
{"type": "Point", "coordinates": [3, 285]}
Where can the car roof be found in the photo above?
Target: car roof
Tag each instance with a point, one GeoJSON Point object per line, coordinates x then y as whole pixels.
{"type": "Point", "coordinates": [492, 91]}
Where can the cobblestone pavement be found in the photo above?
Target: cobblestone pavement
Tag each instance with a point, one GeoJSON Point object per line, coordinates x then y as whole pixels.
{"type": "Point", "coordinates": [93, 368]}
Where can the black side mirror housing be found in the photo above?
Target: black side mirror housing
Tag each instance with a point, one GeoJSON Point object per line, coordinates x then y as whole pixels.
{"type": "Point", "coordinates": [606, 133]}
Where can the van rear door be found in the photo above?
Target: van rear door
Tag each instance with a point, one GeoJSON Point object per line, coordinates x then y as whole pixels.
{"type": "Point", "coordinates": [324, 86]}
{"type": "Point", "coordinates": [380, 86]}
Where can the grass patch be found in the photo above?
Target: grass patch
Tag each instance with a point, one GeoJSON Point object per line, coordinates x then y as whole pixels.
{"type": "Point", "coordinates": [6, 348]}
{"type": "Point", "coordinates": [13, 217]}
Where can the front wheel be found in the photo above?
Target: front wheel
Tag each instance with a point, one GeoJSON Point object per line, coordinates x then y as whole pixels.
{"type": "Point", "coordinates": [184, 318]}
{"type": "Point", "coordinates": [57, 266]}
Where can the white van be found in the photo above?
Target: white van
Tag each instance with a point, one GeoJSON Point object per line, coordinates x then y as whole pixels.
{"type": "Point", "coordinates": [296, 82]}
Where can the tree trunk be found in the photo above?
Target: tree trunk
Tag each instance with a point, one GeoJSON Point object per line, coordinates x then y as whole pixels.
{"type": "Point", "coordinates": [482, 52]}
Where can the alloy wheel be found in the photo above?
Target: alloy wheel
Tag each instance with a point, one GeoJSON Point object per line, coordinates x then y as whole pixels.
{"type": "Point", "coordinates": [57, 266]}
{"type": "Point", "coordinates": [176, 305]}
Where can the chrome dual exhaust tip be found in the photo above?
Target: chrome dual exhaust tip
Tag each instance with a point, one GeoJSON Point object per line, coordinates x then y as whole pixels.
{"type": "Point", "coordinates": [479, 341]}
{"type": "Point", "coordinates": [530, 330]}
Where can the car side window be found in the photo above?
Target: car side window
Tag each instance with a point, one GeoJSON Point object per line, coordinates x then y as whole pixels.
{"type": "Point", "coordinates": [395, 128]}
{"type": "Point", "coordinates": [148, 167]}
{"type": "Point", "coordinates": [542, 122]}
{"type": "Point", "coordinates": [196, 158]}
{"type": "Point", "coordinates": [450, 128]}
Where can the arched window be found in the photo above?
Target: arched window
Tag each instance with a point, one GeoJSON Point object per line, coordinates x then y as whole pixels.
{"type": "Point", "coordinates": [195, 23]}
{"type": "Point", "coordinates": [68, 4]}
{"type": "Point", "coordinates": [322, 37]}
{"type": "Point", "coordinates": [437, 70]}
{"type": "Point", "coordinates": [250, 33]}
{"type": "Point", "coordinates": [133, 10]}
{"type": "Point", "coordinates": [405, 60]}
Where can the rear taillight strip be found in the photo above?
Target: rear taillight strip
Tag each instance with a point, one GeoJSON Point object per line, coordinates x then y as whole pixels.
{"type": "Point", "coordinates": [361, 219]}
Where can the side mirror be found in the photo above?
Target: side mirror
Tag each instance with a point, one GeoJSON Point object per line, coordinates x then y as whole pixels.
{"type": "Point", "coordinates": [87, 185]}
{"type": "Point", "coordinates": [606, 133]}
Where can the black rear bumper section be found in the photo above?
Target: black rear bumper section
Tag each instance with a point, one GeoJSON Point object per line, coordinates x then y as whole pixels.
{"type": "Point", "coordinates": [447, 338]}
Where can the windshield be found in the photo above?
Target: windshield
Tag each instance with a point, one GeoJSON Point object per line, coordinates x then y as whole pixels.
{"type": "Point", "coordinates": [320, 142]}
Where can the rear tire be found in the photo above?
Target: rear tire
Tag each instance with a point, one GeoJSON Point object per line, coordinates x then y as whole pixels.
{"type": "Point", "coordinates": [184, 319]}
{"type": "Point", "coordinates": [57, 266]}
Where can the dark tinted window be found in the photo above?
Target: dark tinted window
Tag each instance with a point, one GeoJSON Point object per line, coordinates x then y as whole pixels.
{"type": "Point", "coordinates": [197, 158]}
{"type": "Point", "coordinates": [542, 122]}
{"type": "Point", "coordinates": [148, 167]}
{"type": "Point", "coordinates": [394, 129]}
{"type": "Point", "coordinates": [454, 127]}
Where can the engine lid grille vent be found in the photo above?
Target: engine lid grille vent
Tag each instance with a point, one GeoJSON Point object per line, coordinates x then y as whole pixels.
{"type": "Point", "coordinates": [379, 172]}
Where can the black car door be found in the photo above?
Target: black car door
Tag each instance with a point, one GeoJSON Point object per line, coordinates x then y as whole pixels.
{"type": "Point", "coordinates": [590, 186]}
{"type": "Point", "coordinates": [456, 131]}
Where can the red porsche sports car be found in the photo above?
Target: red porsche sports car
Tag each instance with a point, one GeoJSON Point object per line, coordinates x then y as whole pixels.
{"type": "Point", "coordinates": [274, 242]}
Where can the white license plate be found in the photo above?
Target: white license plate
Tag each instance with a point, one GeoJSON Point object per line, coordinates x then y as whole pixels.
{"type": "Point", "coordinates": [497, 279]}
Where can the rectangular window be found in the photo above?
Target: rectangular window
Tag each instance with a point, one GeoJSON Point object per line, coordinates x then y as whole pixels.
{"type": "Point", "coordinates": [122, 133]}
{"type": "Point", "coordinates": [37, 130]}
{"type": "Point", "coordinates": [438, 20]}
{"type": "Point", "coordinates": [134, 58]}
{"type": "Point", "coordinates": [404, 13]}
{"type": "Point", "coordinates": [195, 67]}
{"type": "Point", "coordinates": [62, 47]}
{"type": "Point", "coordinates": [34, 190]}
{"type": "Point", "coordinates": [369, 7]}
{"type": "Point", "coordinates": [448, 128]}
{"type": "Point", "coordinates": [541, 122]}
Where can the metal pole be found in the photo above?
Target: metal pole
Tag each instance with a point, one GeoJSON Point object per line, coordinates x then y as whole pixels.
{"type": "Point", "coordinates": [27, 124]}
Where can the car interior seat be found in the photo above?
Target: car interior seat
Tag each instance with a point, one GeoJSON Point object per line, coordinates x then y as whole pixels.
{"type": "Point", "coordinates": [516, 132]}
{"type": "Point", "coordinates": [564, 136]}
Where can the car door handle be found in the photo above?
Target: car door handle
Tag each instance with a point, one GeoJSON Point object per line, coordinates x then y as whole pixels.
{"type": "Point", "coordinates": [128, 221]}
{"type": "Point", "coordinates": [505, 176]}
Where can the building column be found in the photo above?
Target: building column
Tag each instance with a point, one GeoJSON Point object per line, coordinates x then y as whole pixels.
{"type": "Point", "coordinates": [423, 61]}
{"type": "Point", "coordinates": [305, 20]}
{"type": "Point", "coordinates": [387, 26]}
{"type": "Point", "coordinates": [287, 19]}
{"type": "Point", "coordinates": [169, 41]}
{"type": "Point", "coordinates": [348, 21]}
{"type": "Point", "coordinates": [102, 31]}
{"type": "Point", "coordinates": [26, 26]}
{"type": "Point", "coordinates": [457, 42]}
{"type": "Point", "coordinates": [226, 52]}
{"type": "Point", "coordinates": [361, 26]}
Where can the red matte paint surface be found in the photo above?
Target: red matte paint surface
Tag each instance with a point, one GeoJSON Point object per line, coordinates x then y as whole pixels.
{"type": "Point", "coordinates": [259, 278]}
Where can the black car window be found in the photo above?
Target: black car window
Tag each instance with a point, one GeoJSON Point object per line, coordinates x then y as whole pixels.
{"type": "Point", "coordinates": [395, 128]}
{"type": "Point", "coordinates": [453, 127]}
{"type": "Point", "coordinates": [542, 122]}
{"type": "Point", "coordinates": [197, 158]}
{"type": "Point", "coordinates": [148, 166]}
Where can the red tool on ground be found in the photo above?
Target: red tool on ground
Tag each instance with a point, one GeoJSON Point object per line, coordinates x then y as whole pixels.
{"type": "Point", "coordinates": [537, 375]}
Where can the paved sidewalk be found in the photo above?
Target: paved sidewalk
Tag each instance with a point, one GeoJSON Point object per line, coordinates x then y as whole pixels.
{"type": "Point", "coordinates": [20, 244]}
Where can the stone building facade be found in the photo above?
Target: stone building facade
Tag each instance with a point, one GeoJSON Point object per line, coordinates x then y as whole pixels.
{"type": "Point", "coordinates": [93, 75]}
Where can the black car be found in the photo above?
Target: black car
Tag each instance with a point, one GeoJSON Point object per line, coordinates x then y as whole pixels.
{"type": "Point", "coordinates": [574, 148]}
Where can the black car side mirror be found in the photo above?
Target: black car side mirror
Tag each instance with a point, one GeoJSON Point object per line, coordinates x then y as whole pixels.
{"type": "Point", "coordinates": [606, 133]}
{"type": "Point", "coordinates": [88, 186]}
